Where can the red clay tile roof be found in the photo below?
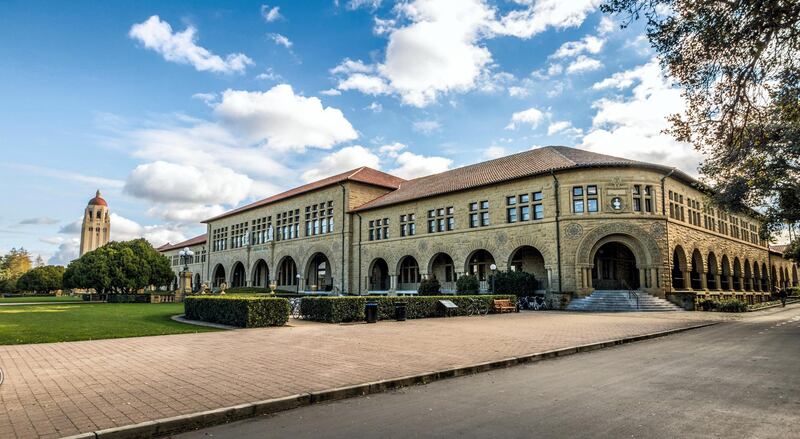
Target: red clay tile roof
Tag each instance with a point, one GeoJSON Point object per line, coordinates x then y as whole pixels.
{"type": "Point", "coordinates": [361, 175]}
{"type": "Point", "coordinates": [201, 239]}
{"type": "Point", "coordinates": [778, 248]}
{"type": "Point", "coordinates": [98, 200]}
{"type": "Point", "coordinates": [525, 164]}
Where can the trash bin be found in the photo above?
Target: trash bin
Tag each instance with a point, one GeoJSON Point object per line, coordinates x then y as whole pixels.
{"type": "Point", "coordinates": [371, 312]}
{"type": "Point", "coordinates": [400, 311]}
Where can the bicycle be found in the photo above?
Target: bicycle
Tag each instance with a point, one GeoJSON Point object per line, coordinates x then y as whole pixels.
{"type": "Point", "coordinates": [477, 307]}
{"type": "Point", "coordinates": [540, 304]}
{"type": "Point", "coordinates": [294, 303]}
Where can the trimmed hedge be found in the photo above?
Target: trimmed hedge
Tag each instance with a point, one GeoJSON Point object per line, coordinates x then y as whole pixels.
{"type": "Point", "coordinates": [244, 312]}
{"type": "Point", "coordinates": [726, 305]}
{"type": "Point", "coordinates": [351, 309]}
{"type": "Point", "coordinates": [468, 284]}
{"type": "Point", "coordinates": [333, 309]}
{"type": "Point", "coordinates": [519, 283]}
{"type": "Point", "coordinates": [429, 287]}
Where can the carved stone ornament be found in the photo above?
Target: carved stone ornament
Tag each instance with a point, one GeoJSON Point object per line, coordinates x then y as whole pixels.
{"type": "Point", "coordinates": [573, 230]}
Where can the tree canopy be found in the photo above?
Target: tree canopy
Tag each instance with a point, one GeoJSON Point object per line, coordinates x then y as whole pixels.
{"type": "Point", "coordinates": [44, 279]}
{"type": "Point", "coordinates": [738, 64]}
{"type": "Point", "coordinates": [120, 268]}
{"type": "Point", "coordinates": [12, 266]}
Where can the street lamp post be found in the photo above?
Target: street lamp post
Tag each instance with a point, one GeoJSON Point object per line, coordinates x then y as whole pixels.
{"type": "Point", "coordinates": [185, 254]}
{"type": "Point", "coordinates": [298, 284]}
{"type": "Point", "coordinates": [493, 267]}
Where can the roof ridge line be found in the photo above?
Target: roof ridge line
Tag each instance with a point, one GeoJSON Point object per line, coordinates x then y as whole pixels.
{"type": "Point", "coordinates": [554, 148]}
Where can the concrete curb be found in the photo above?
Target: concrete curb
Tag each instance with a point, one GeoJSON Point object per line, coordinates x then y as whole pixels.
{"type": "Point", "coordinates": [181, 318]}
{"type": "Point", "coordinates": [178, 424]}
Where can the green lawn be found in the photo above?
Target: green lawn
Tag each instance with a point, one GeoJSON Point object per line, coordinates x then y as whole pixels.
{"type": "Point", "coordinates": [40, 299]}
{"type": "Point", "coordinates": [70, 322]}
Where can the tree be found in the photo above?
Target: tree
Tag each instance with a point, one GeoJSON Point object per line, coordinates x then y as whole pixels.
{"type": "Point", "coordinates": [793, 250]}
{"type": "Point", "coordinates": [120, 268]}
{"type": "Point", "coordinates": [44, 279]}
{"type": "Point", "coordinates": [738, 64]}
{"type": "Point", "coordinates": [467, 284]}
{"type": "Point", "coordinates": [518, 283]}
{"type": "Point", "coordinates": [12, 266]}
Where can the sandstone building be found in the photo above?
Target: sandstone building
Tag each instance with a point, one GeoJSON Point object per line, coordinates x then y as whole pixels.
{"type": "Point", "coordinates": [96, 226]}
{"type": "Point", "coordinates": [579, 221]}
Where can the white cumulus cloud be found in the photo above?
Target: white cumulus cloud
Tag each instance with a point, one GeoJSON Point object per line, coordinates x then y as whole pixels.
{"type": "Point", "coordinates": [284, 120]}
{"type": "Point", "coordinates": [531, 116]}
{"type": "Point", "coordinates": [584, 64]}
{"type": "Point", "coordinates": [182, 48]}
{"type": "Point", "coordinates": [271, 14]}
{"type": "Point", "coordinates": [345, 159]}
{"type": "Point", "coordinates": [410, 165]}
{"type": "Point", "coordinates": [170, 182]}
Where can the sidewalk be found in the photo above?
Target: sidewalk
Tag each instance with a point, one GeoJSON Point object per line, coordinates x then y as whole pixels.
{"type": "Point", "coordinates": [59, 389]}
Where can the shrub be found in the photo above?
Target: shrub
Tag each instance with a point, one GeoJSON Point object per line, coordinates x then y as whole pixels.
{"type": "Point", "coordinates": [467, 284]}
{"type": "Point", "coordinates": [518, 283]}
{"type": "Point", "coordinates": [333, 309]}
{"type": "Point", "coordinates": [732, 305]}
{"type": "Point", "coordinates": [429, 287]}
{"type": "Point", "coordinates": [128, 298]}
{"type": "Point", "coordinates": [348, 309]}
{"type": "Point", "coordinates": [244, 312]}
{"type": "Point", "coordinates": [708, 305]}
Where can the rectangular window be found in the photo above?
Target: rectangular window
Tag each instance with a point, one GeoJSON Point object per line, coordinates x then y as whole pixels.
{"type": "Point", "coordinates": [524, 213]}
{"type": "Point", "coordinates": [524, 199]}
{"type": "Point", "coordinates": [407, 225]}
{"type": "Point", "coordinates": [378, 229]}
{"type": "Point", "coordinates": [577, 206]}
{"type": "Point", "coordinates": [511, 215]}
{"type": "Point", "coordinates": [592, 205]}
{"type": "Point", "coordinates": [442, 219]}
{"type": "Point", "coordinates": [479, 214]}
{"type": "Point", "coordinates": [511, 201]}
{"type": "Point", "coordinates": [538, 211]}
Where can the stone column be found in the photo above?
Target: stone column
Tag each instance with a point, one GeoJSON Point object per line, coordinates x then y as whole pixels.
{"type": "Point", "coordinates": [392, 282]}
{"type": "Point", "coordinates": [717, 281]}
{"type": "Point", "coordinates": [687, 280]}
{"type": "Point", "coordinates": [703, 281]}
{"type": "Point", "coordinates": [642, 278]}
{"type": "Point", "coordinates": [185, 286]}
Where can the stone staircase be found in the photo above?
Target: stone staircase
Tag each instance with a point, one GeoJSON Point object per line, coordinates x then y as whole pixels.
{"type": "Point", "coordinates": [619, 301]}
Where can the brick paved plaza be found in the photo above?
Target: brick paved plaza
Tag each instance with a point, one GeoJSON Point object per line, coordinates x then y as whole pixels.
{"type": "Point", "coordinates": [59, 389]}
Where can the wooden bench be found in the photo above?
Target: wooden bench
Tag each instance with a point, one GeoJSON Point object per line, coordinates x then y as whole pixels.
{"type": "Point", "coordinates": [504, 305]}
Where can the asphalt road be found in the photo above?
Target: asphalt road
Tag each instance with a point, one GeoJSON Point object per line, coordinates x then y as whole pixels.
{"type": "Point", "coordinates": [732, 380]}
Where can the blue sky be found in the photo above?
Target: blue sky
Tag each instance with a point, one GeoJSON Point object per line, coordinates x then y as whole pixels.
{"type": "Point", "coordinates": [180, 110]}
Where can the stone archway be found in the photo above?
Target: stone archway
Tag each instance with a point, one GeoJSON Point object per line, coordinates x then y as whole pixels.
{"type": "Point", "coordinates": [379, 275]}
{"type": "Point", "coordinates": [238, 276]}
{"type": "Point", "coordinates": [442, 268]}
{"type": "Point", "coordinates": [261, 274]}
{"type": "Point", "coordinates": [318, 273]}
{"type": "Point", "coordinates": [219, 276]}
{"type": "Point", "coordinates": [197, 283]}
{"type": "Point", "coordinates": [639, 242]}
{"type": "Point", "coordinates": [712, 273]}
{"type": "Point", "coordinates": [614, 268]}
{"type": "Point", "coordinates": [287, 273]}
{"type": "Point", "coordinates": [408, 276]}
{"type": "Point", "coordinates": [680, 270]}
{"type": "Point", "coordinates": [530, 260]}
{"type": "Point", "coordinates": [698, 273]}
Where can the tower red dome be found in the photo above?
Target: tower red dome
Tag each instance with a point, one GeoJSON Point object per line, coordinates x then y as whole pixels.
{"type": "Point", "coordinates": [98, 200]}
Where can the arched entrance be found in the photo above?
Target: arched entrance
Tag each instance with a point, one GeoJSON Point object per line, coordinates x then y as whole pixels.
{"type": "Point", "coordinates": [711, 273]}
{"type": "Point", "coordinates": [725, 269]}
{"type": "Point", "coordinates": [737, 274]}
{"type": "Point", "coordinates": [479, 265]}
{"type": "Point", "coordinates": [408, 277]}
{"type": "Point", "coordinates": [756, 277]}
{"type": "Point", "coordinates": [697, 270]}
{"type": "Point", "coordinates": [764, 278]}
{"type": "Point", "coordinates": [287, 273]}
{"type": "Point", "coordinates": [197, 283]}
{"type": "Point", "coordinates": [318, 273]}
{"type": "Point", "coordinates": [614, 268]}
{"type": "Point", "coordinates": [679, 269]}
{"type": "Point", "coordinates": [219, 276]}
{"type": "Point", "coordinates": [379, 275]}
{"type": "Point", "coordinates": [261, 274]}
{"type": "Point", "coordinates": [530, 260]}
{"type": "Point", "coordinates": [441, 268]}
{"type": "Point", "coordinates": [238, 277]}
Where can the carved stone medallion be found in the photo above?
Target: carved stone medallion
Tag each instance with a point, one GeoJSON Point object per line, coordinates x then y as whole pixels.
{"type": "Point", "coordinates": [573, 230]}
